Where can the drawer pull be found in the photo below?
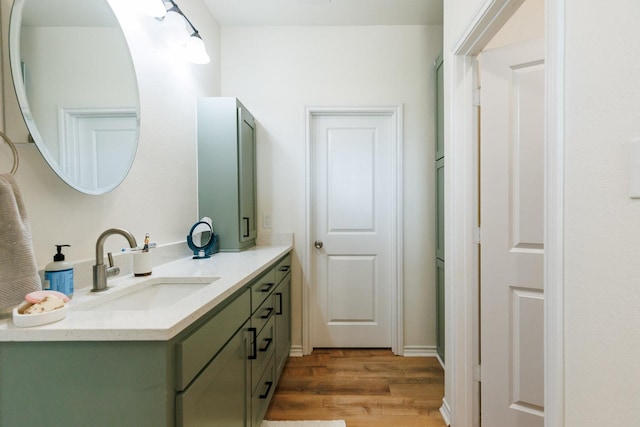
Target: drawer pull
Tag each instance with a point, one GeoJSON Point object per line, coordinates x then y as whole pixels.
{"type": "Point", "coordinates": [267, 287]}
{"type": "Point", "coordinates": [254, 344]}
{"type": "Point", "coordinates": [279, 295]}
{"type": "Point", "coordinates": [269, 384]}
{"type": "Point", "coordinates": [284, 268]}
{"type": "Point", "coordinates": [246, 222]}
{"type": "Point", "coordinates": [266, 347]}
{"type": "Point", "coordinates": [268, 313]}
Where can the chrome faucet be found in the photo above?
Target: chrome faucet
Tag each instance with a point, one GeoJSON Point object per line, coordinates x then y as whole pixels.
{"type": "Point", "coordinates": [101, 271]}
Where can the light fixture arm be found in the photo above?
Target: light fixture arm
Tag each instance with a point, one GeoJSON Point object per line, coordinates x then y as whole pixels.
{"type": "Point", "coordinates": [195, 50]}
{"type": "Point", "coordinates": [175, 8]}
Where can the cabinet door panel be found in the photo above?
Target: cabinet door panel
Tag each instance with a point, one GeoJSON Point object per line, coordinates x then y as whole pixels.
{"type": "Point", "coordinates": [263, 394]}
{"type": "Point", "coordinates": [195, 351]}
{"type": "Point", "coordinates": [219, 395]}
{"type": "Point", "coordinates": [440, 307]}
{"type": "Point", "coordinates": [440, 209]}
{"type": "Point", "coordinates": [247, 176]}
{"type": "Point", "coordinates": [282, 297]}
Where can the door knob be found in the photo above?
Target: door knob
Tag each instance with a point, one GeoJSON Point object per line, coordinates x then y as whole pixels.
{"type": "Point", "coordinates": [318, 244]}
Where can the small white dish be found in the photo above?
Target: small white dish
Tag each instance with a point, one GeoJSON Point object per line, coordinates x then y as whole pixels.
{"type": "Point", "coordinates": [37, 319]}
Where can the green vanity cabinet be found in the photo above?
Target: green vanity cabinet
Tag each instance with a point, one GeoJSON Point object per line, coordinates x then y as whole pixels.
{"type": "Point", "coordinates": [212, 372]}
{"type": "Point", "coordinates": [282, 296]}
{"type": "Point", "coordinates": [221, 370]}
{"type": "Point", "coordinates": [219, 396]}
{"type": "Point", "coordinates": [227, 170]}
{"type": "Point", "coordinates": [271, 326]}
{"type": "Point", "coordinates": [74, 384]}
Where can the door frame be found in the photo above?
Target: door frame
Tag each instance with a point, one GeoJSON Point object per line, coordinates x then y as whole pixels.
{"type": "Point", "coordinates": [397, 302]}
{"type": "Point", "coordinates": [461, 201]}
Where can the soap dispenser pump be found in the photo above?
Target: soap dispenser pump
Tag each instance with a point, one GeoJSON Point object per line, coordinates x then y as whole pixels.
{"type": "Point", "coordinates": [58, 275]}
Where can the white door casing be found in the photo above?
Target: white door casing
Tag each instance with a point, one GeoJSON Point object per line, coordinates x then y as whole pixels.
{"type": "Point", "coordinates": [94, 143]}
{"type": "Point", "coordinates": [512, 248]}
{"type": "Point", "coordinates": [354, 289]}
{"type": "Point", "coordinates": [459, 404]}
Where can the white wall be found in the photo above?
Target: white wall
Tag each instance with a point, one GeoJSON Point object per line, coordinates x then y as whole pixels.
{"type": "Point", "coordinates": [159, 195]}
{"type": "Point", "coordinates": [277, 71]}
{"type": "Point", "coordinates": [58, 76]}
{"type": "Point", "coordinates": [601, 228]}
{"type": "Point", "coordinates": [527, 23]}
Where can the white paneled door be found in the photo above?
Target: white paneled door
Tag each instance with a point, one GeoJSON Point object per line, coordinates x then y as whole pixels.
{"type": "Point", "coordinates": [352, 205]}
{"type": "Point", "coordinates": [512, 248]}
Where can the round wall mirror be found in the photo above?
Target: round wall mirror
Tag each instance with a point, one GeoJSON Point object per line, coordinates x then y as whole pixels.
{"type": "Point", "coordinates": [77, 90]}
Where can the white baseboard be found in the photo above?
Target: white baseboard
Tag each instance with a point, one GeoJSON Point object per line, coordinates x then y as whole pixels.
{"type": "Point", "coordinates": [420, 351]}
{"type": "Point", "coordinates": [445, 412]}
{"type": "Point", "coordinates": [440, 360]}
{"type": "Point", "coordinates": [295, 351]}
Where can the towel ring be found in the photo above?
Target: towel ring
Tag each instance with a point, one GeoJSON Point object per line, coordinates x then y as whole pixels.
{"type": "Point", "coordinates": [16, 159]}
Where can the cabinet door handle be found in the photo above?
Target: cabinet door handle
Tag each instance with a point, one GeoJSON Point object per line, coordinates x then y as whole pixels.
{"type": "Point", "coordinates": [246, 224]}
{"type": "Point", "coordinates": [279, 311]}
{"type": "Point", "coordinates": [269, 384]}
{"type": "Point", "coordinates": [267, 287]}
{"type": "Point", "coordinates": [266, 347]}
{"type": "Point", "coordinates": [254, 344]}
{"type": "Point", "coordinates": [269, 312]}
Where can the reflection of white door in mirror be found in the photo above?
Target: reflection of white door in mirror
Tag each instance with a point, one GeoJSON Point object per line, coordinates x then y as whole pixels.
{"type": "Point", "coordinates": [93, 142]}
{"type": "Point", "coordinates": [71, 53]}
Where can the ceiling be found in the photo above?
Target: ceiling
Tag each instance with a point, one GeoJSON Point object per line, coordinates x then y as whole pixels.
{"type": "Point", "coordinates": [326, 12]}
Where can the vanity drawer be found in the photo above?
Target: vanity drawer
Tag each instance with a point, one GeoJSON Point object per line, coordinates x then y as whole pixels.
{"type": "Point", "coordinates": [262, 315]}
{"type": "Point", "coordinates": [262, 288]}
{"type": "Point", "coordinates": [282, 268]}
{"type": "Point", "coordinates": [264, 349]}
{"type": "Point", "coordinates": [196, 350]}
{"type": "Point", "coordinates": [263, 394]}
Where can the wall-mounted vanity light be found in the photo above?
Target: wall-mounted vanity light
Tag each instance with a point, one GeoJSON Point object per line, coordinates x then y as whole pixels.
{"type": "Point", "coordinates": [178, 27]}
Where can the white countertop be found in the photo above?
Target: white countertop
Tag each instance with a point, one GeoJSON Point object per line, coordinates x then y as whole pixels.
{"type": "Point", "coordinates": [234, 270]}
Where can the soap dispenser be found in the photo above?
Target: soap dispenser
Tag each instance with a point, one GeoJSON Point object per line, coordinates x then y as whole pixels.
{"type": "Point", "coordinates": [58, 275]}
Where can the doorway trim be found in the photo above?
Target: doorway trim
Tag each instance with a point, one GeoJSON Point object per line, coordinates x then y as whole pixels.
{"type": "Point", "coordinates": [461, 201]}
{"type": "Point", "coordinates": [397, 285]}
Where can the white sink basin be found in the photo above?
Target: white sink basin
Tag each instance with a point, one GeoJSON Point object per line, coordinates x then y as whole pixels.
{"type": "Point", "coordinates": [148, 295]}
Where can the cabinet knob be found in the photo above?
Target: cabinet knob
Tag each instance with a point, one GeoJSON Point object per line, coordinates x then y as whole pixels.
{"type": "Point", "coordinates": [318, 244]}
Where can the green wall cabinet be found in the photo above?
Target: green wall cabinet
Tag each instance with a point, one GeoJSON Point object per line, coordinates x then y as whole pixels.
{"type": "Point", "coordinates": [440, 178]}
{"type": "Point", "coordinates": [220, 371]}
{"type": "Point", "coordinates": [227, 170]}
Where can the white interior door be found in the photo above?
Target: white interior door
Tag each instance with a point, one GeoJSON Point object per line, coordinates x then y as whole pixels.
{"type": "Point", "coordinates": [512, 248]}
{"type": "Point", "coordinates": [352, 207]}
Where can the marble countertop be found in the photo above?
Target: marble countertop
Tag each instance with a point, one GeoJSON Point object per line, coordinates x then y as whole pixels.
{"type": "Point", "coordinates": [233, 270]}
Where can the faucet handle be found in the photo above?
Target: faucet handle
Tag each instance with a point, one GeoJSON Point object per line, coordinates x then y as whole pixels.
{"type": "Point", "coordinates": [110, 259]}
{"type": "Point", "coordinates": [112, 271]}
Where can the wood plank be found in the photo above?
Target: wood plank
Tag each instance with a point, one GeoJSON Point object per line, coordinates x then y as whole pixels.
{"type": "Point", "coordinates": [364, 387]}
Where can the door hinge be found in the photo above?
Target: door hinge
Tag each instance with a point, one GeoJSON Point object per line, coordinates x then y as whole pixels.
{"type": "Point", "coordinates": [476, 97]}
{"type": "Point", "coordinates": [477, 373]}
{"type": "Point", "coordinates": [477, 236]}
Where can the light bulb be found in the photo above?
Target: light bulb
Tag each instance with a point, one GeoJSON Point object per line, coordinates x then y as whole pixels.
{"type": "Point", "coordinates": [175, 27]}
{"type": "Point", "coordinates": [153, 8]}
{"type": "Point", "coordinates": [196, 51]}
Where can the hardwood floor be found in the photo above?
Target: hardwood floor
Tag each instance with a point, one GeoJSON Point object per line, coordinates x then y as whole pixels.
{"type": "Point", "coordinates": [366, 388]}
